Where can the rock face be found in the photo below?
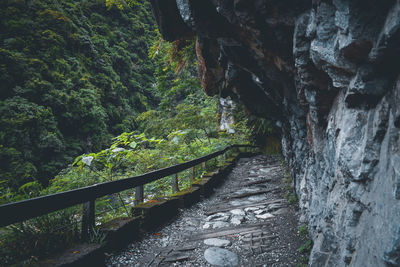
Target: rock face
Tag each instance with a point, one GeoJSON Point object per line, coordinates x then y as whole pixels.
{"type": "Point", "coordinates": [327, 73]}
{"type": "Point", "coordinates": [226, 108]}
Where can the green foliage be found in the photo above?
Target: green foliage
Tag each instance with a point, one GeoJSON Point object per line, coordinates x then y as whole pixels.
{"type": "Point", "coordinates": [303, 231]}
{"type": "Point", "coordinates": [76, 73]}
{"type": "Point", "coordinates": [305, 251]}
{"type": "Point", "coordinates": [292, 199]}
{"type": "Point", "coordinates": [183, 127]}
{"type": "Point", "coordinates": [306, 247]}
{"type": "Point", "coordinates": [96, 236]}
{"type": "Point", "coordinates": [180, 54]}
{"type": "Point", "coordinates": [290, 194]}
{"type": "Point", "coordinates": [120, 4]}
{"type": "Point", "coordinates": [261, 126]}
{"type": "Point", "coordinates": [73, 74]}
{"type": "Point", "coordinates": [38, 238]}
{"type": "Point", "coordinates": [265, 134]}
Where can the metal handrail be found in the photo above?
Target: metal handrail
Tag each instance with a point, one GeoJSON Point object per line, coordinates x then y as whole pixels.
{"type": "Point", "coordinates": [27, 209]}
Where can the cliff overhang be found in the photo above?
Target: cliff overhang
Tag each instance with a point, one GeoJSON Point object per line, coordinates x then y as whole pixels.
{"type": "Point", "coordinates": [327, 73]}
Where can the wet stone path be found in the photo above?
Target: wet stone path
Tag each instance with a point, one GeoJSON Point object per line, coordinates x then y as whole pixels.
{"type": "Point", "coordinates": [246, 222]}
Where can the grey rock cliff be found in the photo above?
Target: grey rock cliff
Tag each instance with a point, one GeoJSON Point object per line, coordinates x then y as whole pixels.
{"type": "Point", "coordinates": [327, 72]}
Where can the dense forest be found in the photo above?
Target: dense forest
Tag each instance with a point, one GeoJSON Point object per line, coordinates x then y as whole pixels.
{"type": "Point", "coordinates": [89, 92]}
{"type": "Point", "coordinates": [73, 75]}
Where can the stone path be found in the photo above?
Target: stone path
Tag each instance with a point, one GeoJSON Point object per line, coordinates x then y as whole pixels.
{"type": "Point", "coordinates": [246, 222]}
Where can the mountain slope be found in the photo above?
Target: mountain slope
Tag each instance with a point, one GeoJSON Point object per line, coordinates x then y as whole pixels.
{"type": "Point", "coordinates": [72, 74]}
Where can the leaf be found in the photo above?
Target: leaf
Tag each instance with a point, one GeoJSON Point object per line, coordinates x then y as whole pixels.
{"type": "Point", "coordinates": [133, 144]}
{"type": "Point", "coordinates": [77, 161]}
{"type": "Point", "coordinates": [87, 160]}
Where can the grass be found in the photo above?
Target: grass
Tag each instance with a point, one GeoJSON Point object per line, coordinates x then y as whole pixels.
{"type": "Point", "coordinates": [29, 241]}
{"type": "Point", "coordinates": [306, 247]}
{"type": "Point", "coordinates": [290, 194]}
{"type": "Point", "coordinates": [303, 231]}
{"type": "Point", "coordinates": [305, 251]}
{"type": "Point", "coordinates": [97, 236]}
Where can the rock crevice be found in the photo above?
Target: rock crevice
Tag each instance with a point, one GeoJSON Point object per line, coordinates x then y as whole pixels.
{"type": "Point", "coordinates": [327, 73]}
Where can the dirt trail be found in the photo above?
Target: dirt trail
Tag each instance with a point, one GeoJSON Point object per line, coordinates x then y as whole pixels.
{"type": "Point", "coordinates": [246, 222]}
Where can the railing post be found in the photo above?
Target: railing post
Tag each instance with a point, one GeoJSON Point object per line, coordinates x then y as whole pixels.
{"type": "Point", "coordinates": [139, 194]}
{"type": "Point", "coordinates": [88, 219]}
{"type": "Point", "coordinates": [175, 185]}
{"type": "Point", "coordinates": [204, 166]}
{"type": "Point", "coordinates": [192, 177]}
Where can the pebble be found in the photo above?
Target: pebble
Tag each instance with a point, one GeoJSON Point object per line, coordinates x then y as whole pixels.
{"type": "Point", "coordinates": [238, 212]}
{"type": "Point", "coordinates": [165, 242]}
{"type": "Point", "coordinates": [276, 206]}
{"type": "Point", "coordinates": [220, 224]}
{"type": "Point", "coordinates": [221, 257]}
{"type": "Point", "coordinates": [265, 216]}
{"type": "Point", "coordinates": [251, 209]}
{"type": "Point", "coordinates": [191, 222]}
{"type": "Point", "coordinates": [216, 242]}
{"type": "Point", "coordinates": [217, 224]}
{"type": "Point", "coordinates": [281, 211]}
{"type": "Point", "coordinates": [218, 217]}
{"type": "Point", "coordinates": [239, 202]}
{"type": "Point", "coordinates": [237, 220]}
{"type": "Point", "coordinates": [206, 225]}
{"type": "Point", "coordinates": [257, 198]}
{"type": "Point", "coordinates": [190, 228]}
{"type": "Point", "coordinates": [258, 212]}
{"type": "Point", "coordinates": [223, 219]}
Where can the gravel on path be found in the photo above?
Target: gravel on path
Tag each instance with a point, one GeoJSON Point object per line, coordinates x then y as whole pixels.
{"type": "Point", "coordinates": [248, 210]}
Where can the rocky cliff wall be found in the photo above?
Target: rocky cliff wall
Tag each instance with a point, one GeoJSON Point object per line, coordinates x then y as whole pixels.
{"type": "Point", "coordinates": [327, 74]}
